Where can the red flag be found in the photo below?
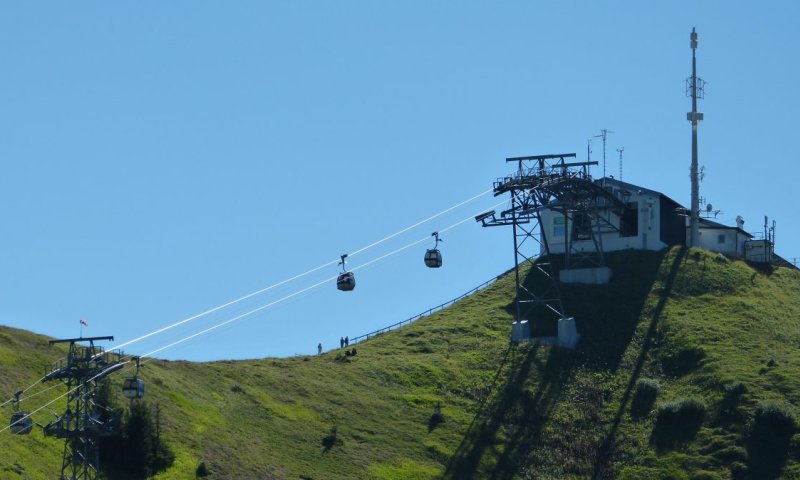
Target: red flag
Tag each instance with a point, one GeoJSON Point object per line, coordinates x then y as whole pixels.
{"type": "Point", "coordinates": [83, 322]}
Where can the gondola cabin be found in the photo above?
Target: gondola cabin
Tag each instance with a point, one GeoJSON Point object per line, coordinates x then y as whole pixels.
{"type": "Point", "coordinates": [433, 258]}
{"type": "Point", "coordinates": [133, 388]}
{"type": "Point", "coordinates": [346, 281]}
{"type": "Point", "coordinates": [21, 423]}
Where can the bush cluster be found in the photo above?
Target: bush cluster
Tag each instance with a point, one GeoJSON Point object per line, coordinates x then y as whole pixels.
{"type": "Point", "coordinates": [770, 436]}
{"type": "Point", "coordinates": [678, 421]}
{"type": "Point", "coordinates": [774, 418]}
{"type": "Point", "coordinates": [731, 395]}
{"type": "Point", "coordinates": [644, 396]}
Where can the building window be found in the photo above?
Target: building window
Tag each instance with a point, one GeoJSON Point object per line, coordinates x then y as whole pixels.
{"type": "Point", "coordinates": [629, 220]}
{"type": "Point", "coordinates": [720, 239]}
{"type": "Point", "coordinates": [581, 227]}
{"type": "Point", "coordinates": [559, 226]}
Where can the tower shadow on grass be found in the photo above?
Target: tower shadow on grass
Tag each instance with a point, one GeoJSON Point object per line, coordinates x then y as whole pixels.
{"type": "Point", "coordinates": [607, 448]}
{"type": "Point", "coordinates": [498, 443]}
{"type": "Point", "coordinates": [507, 424]}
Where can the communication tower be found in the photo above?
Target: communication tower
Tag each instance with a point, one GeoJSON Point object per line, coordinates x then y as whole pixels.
{"type": "Point", "coordinates": [695, 88]}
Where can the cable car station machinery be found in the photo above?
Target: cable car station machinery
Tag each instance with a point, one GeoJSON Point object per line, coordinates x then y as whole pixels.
{"type": "Point", "coordinates": [84, 421]}
{"type": "Point", "coordinates": [549, 182]}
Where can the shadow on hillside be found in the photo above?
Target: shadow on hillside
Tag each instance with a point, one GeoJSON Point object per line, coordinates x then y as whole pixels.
{"type": "Point", "coordinates": [608, 447]}
{"type": "Point", "coordinates": [511, 421]}
{"type": "Point", "coordinates": [607, 315]}
{"type": "Point", "coordinates": [509, 426]}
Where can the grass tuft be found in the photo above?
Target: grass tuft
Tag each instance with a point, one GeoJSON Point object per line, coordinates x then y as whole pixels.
{"type": "Point", "coordinates": [644, 396]}
{"type": "Point", "coordinates": [678, 422]}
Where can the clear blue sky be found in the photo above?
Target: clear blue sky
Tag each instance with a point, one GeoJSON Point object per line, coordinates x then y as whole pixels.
{"type": "Point", "coordinates": [162, 158]}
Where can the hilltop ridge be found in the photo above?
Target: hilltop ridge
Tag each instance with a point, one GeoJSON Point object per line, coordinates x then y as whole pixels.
{"type": "Point", "coordinates": [449, 397]}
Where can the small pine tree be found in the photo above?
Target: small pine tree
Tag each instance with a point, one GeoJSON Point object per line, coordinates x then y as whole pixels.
{"type": "Point", "coordinates": [143, 450]}
{"type": "Point", "coordinates": [136, 445]}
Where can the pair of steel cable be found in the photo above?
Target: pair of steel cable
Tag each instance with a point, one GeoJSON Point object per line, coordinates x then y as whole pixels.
{"type": "Point", "coordinates": [260, 291]}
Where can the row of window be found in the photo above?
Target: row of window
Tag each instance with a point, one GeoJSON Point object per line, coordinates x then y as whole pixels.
{"type": "Point", "coordinates": [582, 228]}
{"type": "Point", "coordinates": [582, 224]}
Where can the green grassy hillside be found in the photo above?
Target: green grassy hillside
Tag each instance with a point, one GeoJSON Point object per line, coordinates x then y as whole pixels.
{"type": "Point", "coordinates": [714, 340]}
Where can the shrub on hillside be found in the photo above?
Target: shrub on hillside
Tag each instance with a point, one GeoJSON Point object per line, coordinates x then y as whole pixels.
{"type": "Point", "coordinates": [731, 395]}
{"type": "Point", "coordinates": [678, 421]}
{"type": "Point", "coordinates": [772, 429]}
{"type": "Point", "coordinates": [644, 396]}
{"type": "Point", "coordinates": [775, 418]}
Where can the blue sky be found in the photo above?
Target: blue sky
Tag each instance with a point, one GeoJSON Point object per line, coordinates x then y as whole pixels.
{"type": "Point", "coordinates": [163, 158]}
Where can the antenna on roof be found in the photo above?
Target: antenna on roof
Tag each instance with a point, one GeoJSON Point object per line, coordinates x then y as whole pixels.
{"type": "Point", "coordinates": [620, 150]}
{"type": "Point", "coordinates": [589, 150]}
{"type": "Point", "coordinates": [603, 134]}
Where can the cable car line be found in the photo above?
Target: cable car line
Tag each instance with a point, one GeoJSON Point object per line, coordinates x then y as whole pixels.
{"type": "Point", "coordinates": [250, 295]}
{"type": "Point", "coordinates": [287, 297]}
{"type": "Point", "coordinates": [68, 392]}
{"type": "Point", "coordinates": [421, 222]}
{"type": "Point", "coordinates": [308, 272]}
{"type": "Point", "coordinates": [28, 397]}
{"type": "Point", "coordinates": [137, 390]}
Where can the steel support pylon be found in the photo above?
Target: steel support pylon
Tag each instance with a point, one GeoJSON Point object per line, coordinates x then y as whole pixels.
{"type": "Point", "coordinates": [84, 421]}
{"type": "Point", "coordinates": [549, 182]}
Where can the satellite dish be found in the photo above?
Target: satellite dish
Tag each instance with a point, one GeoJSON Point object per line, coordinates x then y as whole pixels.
{"type": "Point", "coordinates": [709, 208]}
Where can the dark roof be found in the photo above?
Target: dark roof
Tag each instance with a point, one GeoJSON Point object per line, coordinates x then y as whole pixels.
{"type": "Point", "coordinates": [635, 188]}
{"type": "Point", "coordinates": [704, 222]}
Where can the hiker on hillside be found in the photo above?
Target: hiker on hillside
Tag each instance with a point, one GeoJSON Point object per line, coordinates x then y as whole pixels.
{"type": "Point", "coordinates": [346, 341]}
{"type": "Point", "coordinates": [319, 349]}
{"type": "Point", "coordinates": [341, 342]}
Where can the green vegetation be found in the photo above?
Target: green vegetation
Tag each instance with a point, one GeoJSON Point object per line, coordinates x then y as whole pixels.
{"type": "Point", "coordinates": [644, 396]}
{"type": "Point", "coordinates": [687, 369]}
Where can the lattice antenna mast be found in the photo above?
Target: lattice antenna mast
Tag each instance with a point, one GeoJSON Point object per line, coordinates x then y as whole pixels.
{"type": "Point", "coordinates": [84, 421]}
{"type": "Point", "coordinates": [620, 150]}
{"type": "Point", "coordinates": [695, 88]}
{"type": "Point", "coordinates": [604, 135]}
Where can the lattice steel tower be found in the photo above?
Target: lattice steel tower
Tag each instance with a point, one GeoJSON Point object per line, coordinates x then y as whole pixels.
{"type": "Point", "coordinates": [549, 182]}
{"type": "Point", "coordinates": [84, 420]}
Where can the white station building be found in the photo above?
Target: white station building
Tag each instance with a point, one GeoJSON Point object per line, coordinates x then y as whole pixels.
{"type": "Point", "coordinates": [651, 221]}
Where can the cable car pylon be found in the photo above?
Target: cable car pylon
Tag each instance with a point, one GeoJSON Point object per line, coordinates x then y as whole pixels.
{"type": "Point", "coordinates": [84, 421]}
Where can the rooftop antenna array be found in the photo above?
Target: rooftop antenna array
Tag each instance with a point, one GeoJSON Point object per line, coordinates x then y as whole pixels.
{"type": "Point", "coordinates": [604, 134]}
{"type": "Point", "coordinates": [695, 88]}
{"type": "Point", "coordinates": [620, 150]}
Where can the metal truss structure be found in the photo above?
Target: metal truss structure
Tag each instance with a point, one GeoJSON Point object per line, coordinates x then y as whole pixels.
{"type": "Point", "coordinates": [84, 421]}
{"type": "Point", "coordinates": [549, 182]}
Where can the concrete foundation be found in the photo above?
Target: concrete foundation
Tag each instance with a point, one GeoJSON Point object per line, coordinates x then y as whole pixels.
{"type": "Point", "coordinates": [596, 276]}
{"type": "Point", "coordinates": [520, 331]}
{"type": "Point", "coordinates": [568, 335]}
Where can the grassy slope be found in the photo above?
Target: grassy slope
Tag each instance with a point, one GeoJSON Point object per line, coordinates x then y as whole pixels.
{"type": "Point", "coordinates": [688, 319]}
